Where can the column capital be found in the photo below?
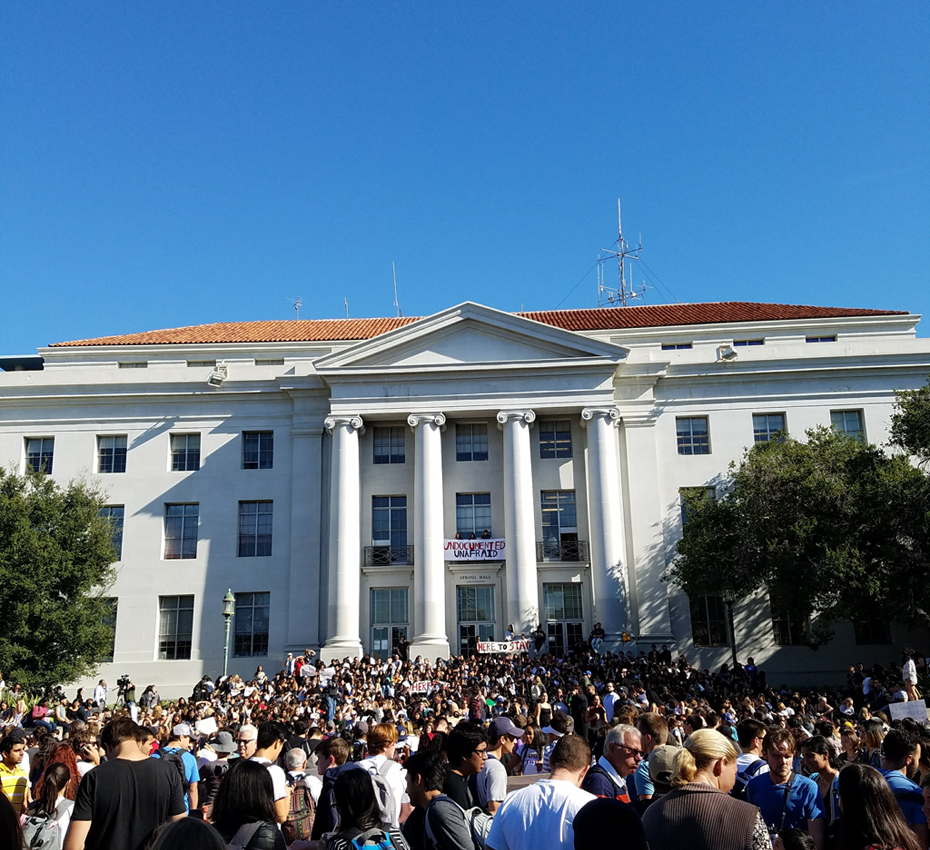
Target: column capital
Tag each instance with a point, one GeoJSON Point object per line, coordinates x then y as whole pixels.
{"type": "Point", "coordinates": [415, 419]}
{"type": "Point", "coordinates": [330, 423]}
{"type": "Point", "coordinates": [610, 413]}
{"type": "Point", "coordinates": [505, 416]}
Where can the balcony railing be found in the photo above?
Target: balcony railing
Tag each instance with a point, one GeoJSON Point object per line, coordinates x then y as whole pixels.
{"type": "Point", "coordinates": [386, 556]}
{"type": "Point", "coordinates": [566, 550]}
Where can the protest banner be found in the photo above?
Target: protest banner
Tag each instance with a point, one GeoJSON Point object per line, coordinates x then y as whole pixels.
{"type": "Point", "coordinates": [489, 646]}
{"type": "Point", "coordinates": [912, 708]}
{"type": "Point", "coordinates": [476, 550]}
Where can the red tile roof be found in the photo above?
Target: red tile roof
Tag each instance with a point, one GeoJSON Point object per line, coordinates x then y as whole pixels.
{"type": "Point", "coordinates": [330, 330]}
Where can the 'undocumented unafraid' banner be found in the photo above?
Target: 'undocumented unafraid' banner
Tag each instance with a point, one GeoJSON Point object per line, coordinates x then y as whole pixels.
{"type": "Point", "coordinates": [475, 550]}
{"type": "Point", "coordinates": [519, 645]}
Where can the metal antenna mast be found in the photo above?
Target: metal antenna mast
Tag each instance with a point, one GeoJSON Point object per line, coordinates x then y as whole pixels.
{"type": "Point", "coordinates": [622, 294]}
{"type": "Point", "coordinates": [296, 302]}
{"type": "Point", "coordinates": [396, 304]}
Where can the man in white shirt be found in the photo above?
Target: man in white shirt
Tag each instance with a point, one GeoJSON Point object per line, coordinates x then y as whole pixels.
{"type": "Point", "coordinates": [541, 815]}
{"type": "Point", "coordinates": [611, 698]}
{"type": "Point", "coordinates": [296, 762]}
{"type": "Point", "coordinates": [382, 741]}
{"type": "Point", "coordinates": [272, 736]}
{"type": "Point", "coordinates": [100, 695]}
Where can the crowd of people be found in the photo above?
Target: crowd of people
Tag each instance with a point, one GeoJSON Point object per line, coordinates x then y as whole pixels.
{"type": "Point", "coordinates": [509, 752]}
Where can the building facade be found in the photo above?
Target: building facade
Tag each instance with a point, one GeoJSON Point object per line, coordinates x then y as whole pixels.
{"type": "Point", "coordinates": [442, 478]}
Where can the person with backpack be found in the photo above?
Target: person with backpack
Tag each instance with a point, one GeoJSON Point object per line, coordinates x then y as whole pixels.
{"type": "Point", "coordinates": [387, 775]}
{"type": "Point", "coordinates": [437, 821]}
{"type": "Point", "coordinates": [750, 734]}
{"type": "Point", "coordinates": [177, 753]}
{"type": "Point", "coordinates": [360, 824]}
{"type": "Point", "coordinates": [332, 761]}
{"type": "Point", "coordinates": [298, 826]}
{"type": "Point", "coordinates": [47, 819]}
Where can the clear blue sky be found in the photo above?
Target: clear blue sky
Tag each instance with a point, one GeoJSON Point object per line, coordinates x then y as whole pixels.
{"type": "Point", "coordinates": [166, 164]}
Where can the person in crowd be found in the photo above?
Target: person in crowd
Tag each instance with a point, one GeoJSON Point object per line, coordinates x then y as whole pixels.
{"type": "Point", "coordinates": [786, 799]}
{"type": "Point", "coordinates": [272, 735]}
{"type": "Point", "coordinates": [871, 816]}
{"type": "Point", "coordinates": [359, 820]}
{"type": "Point", "coordinates": [188, 834]}
{"type": "Point", "coordinates": [818, 759]}
{"type": "Point", "coordinates": [529, 751]}
{"type": "Point", "coordinates": [872, 733]}
{"type": "Point", "coordinates": [14, 779]}
{"type": "Point", "coordinates": [212, 772]}
{"type": "Point", "coordinates": [11, 832]}
{"type": "Point", "coordinates": [100, 694]}
{"type": "Point", "coordinates": [901, 753]}
{"type": "Point", "coordinates": [332, 761]}
{"type": "Point", "coordinates": [542, 814]}
{"type": "Point", "coordinates": [247, 741]}
{"type": "Point", "coordinates": [698, 812]}
{"type": "Point", "coordinates": [179, 744]}
{"type": "Point", "coordinates": [51, 809]}
{"type": "Point", "coordinates": [622, 756]}
{"type": "Point", "coordinates": [382, 744]}
{"type": "Point", "coordinates": [653, 732]}
{"type": "Point", "coordinates": [503, 736]}
{"type": "Point", "coordinates": [437, 822]}
{"type": "Point", "coordinates": [244, 811]}
{"type": "Point", "coordinates": [122, 801]}
{"type": "Point", "coordinates": [467, 751]}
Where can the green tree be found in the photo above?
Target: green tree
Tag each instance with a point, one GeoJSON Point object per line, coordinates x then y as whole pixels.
{"type": "Point", "coordinates": [910, 422]}
{"type": "Point", "coordinates": [56, 553]}
{"type": "Point", "coordinates": [834, 528]}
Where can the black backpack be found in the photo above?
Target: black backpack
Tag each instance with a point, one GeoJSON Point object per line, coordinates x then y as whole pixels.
{"type": "Point", "coordinates": [173, 757]}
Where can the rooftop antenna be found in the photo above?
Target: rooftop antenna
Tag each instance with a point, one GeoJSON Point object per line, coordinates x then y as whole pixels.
{"type": "Point", "coordinates": [622, 294]}
{"type": "Point", "coordinates": [296, 302]}
{"type": "Point", "coordinates": [396, 304]}
{"type": "Point", "coordinates": [346, 299]}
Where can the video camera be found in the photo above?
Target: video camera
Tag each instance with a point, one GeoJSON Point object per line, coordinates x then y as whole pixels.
{"type": "Point", "coordinates": [123, 682]}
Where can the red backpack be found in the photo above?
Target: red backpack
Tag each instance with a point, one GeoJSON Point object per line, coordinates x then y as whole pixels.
{"type": "Point", "coordinates": [300, 815]}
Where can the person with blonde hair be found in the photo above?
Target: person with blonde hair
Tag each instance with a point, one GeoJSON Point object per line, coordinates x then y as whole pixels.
{"type": "Point", "coordinates": [698, 812]}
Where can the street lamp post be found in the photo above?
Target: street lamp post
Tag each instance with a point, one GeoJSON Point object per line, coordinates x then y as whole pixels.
{"type": "Point", "coordinates": [229, 608]}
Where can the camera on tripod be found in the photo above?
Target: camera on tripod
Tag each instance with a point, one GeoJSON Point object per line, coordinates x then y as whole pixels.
{"type": "Point", "coordinates": [123, 682]}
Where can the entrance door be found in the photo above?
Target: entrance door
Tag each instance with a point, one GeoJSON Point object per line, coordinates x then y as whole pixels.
{"type": "Point", "coordinates": [564, 616]}
{"type": "Point", "coordinates": [476, 617]}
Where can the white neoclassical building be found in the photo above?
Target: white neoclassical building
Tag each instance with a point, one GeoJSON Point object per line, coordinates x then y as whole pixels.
{"type": "Point", "coordinates": [355, 481]}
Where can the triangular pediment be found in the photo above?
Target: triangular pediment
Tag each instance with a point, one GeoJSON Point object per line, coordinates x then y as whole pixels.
{"type": "Point", "coordinates": [469, 335]}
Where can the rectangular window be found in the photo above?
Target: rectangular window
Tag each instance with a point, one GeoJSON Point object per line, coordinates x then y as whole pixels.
{"type": "Point", "coordinates": [471, 442]}
{"type": "Point", "coordinates": [686, 494]}
{"type": "Point", "coordinates": [559, 526]}
{"type": "Point", "coordinates": [737, 343]}
{"type": "Point", "coordinates": [134, 364]}
{"type": "Point", "coordinates": [693, 438]}
{"type": "Point", "coordinates": [185, 452]}
{"type": "Point", "coordinates": [555, 439]}
{"type": "Point", "coordinates": [201, 364]}
{"type": "Point", "coordinates": [258, 449]}
{"type": "Point", "coordinates": [820, 339]}
{"type": "Point", "coordinates": [848, 422]}
{"type": "Point", "coordinates": [473, 515]}
{"type": "Point", "coordinates": [114, 513]}
{"type": "Point", "coordinates": [40, 453]}
{"type": "Point", "coordinates": [871, 632]}
{"type": "Point", "coordinates": [175, 627]}
{"type": "Point", "coordinates": [476, 616]}
{"type": "Point", "coordinates": [255, 521]}
{"type": "Point", "coordinates": [111, 454]}
{"type": "Point", "coordinates": [390, 444]}
{"type": "Point", "coordinates": [389, 530]}
{"type": "Point", "coordinates": [181, 523]}
{"type": "Point", "coordinates": [709, 621]}
{"type": "Point", "coordinates": [788, 630]}
{"type": "Point", "coordinates": [270, 361]}
{"type": "Point", "coordinates": [110, 621]}
{"type": "Point", "coordinates": [675, 346]}
{"type": "Point", "coordinates": [768, 426]}
{"type": "Point", "coordinates": [252, 624]}
{"type": "Point", "coordinates": [389, 619]}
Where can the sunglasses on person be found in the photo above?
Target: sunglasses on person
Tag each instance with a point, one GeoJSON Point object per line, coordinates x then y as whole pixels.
{"type": "Point", "coordinates": [632, 751]}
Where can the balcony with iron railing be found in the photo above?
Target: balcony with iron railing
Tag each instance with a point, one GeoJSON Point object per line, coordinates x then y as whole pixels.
{"type": "Point", "coordinates": [388, 556]}
{"type": "Point", "coordinates": [573, 551]}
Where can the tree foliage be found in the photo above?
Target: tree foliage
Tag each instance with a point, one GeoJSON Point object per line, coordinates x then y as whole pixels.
{"type": "Point", "coordinates": [910, 423]}
{"type": "Point", "coordinates": [56, 553]}
{"type": "Point", "coordinates": [836, 530]}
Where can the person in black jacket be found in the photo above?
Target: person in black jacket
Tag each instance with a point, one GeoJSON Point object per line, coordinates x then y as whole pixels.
{"type": "Point", "coordinates": [578, 708]}
{"type": "Point", "coordinates": [243, 811]}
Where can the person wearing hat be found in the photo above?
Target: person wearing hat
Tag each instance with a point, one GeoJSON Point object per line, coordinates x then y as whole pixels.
{"type": "Point", "coordinates": [179, 743]}
{"type": "Point", "coordinates": [211, 773]}
{"type": "Point", "coordinates": [661, 770]}
{"type": "Point", "coordinates": [492, 781]}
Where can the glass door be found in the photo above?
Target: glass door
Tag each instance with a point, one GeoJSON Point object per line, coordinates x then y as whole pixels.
{"type": "Point", "coordinates": [476, 617]}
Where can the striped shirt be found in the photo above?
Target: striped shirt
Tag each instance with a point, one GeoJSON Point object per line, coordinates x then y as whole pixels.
{"type": "Point", "coordinates": [14, 782]}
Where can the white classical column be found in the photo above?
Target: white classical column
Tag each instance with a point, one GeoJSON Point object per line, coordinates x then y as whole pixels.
{"type": "Point", "coordinates": [429, 587]}
{"type": "Point", "coordinates": [605, 522]}
{"type": "Point", "coordinates": [345, 541]}
{"type": "Point", "coordinates": [519, 521]}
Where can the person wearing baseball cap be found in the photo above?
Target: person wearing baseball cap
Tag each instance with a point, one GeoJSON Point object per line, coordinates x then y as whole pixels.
{"type": "Point", "coordinates": [180, 742]}
{"type": "Point", "coordinates": [492, 781]}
